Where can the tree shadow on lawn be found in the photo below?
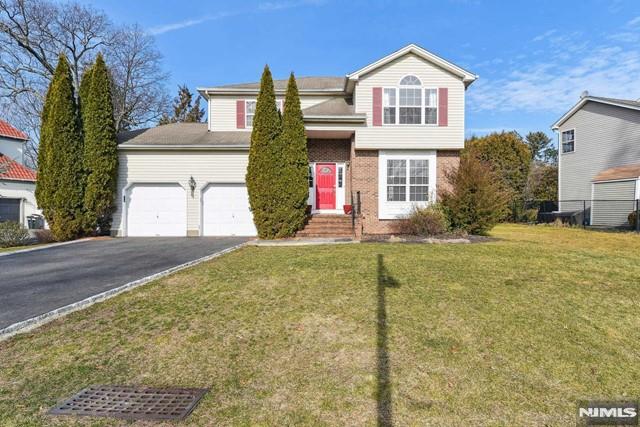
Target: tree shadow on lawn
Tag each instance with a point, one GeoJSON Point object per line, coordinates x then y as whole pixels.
{"type": "Point", "coordinates": [383, 393]}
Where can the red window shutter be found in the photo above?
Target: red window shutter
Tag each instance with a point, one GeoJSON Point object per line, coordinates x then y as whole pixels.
{"type": "Point", "coordinates": [377, 106]}
{"type": "Point", "coordinates": [240, 114]}
{"type": "Point", "coordinates": [443, 106]}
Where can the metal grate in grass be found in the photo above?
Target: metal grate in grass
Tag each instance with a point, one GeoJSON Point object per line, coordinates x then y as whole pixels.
{"type": "Point", "coordinates": [133, 403]}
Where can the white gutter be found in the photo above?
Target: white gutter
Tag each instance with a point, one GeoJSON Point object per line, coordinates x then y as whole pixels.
{"type": "Point", "coordinates": [205, 91]}
{"type": "Point", "coordinates": [182, 147]}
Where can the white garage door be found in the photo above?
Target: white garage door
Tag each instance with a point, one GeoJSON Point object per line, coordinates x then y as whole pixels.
{"type": "Point", "coordinates": [157, 210]}
{"type": "Point", "coordinates": [225, 211]}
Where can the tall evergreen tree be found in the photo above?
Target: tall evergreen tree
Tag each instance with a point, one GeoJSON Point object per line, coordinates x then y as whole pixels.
{"type": "Point", "coordinates": [292, 183]}
{"type": "Point", "coordinates": [85, 87]}
{"type": "Point", "coordinates": [43, 192]}
{"type": "Point", "coordinates": [263, 160]}
{"type": "Point", "coordinates": [100, 150]}
{"type": "Point", "coordinates": [63, 188]}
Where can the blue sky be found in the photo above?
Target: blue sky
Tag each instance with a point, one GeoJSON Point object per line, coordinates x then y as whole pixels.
{"type": "Point", "coordinates": [534, 58]}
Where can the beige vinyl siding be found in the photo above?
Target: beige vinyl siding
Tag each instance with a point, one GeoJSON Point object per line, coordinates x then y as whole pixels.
{"type": "Point", "coordinates": [411, 136]}
{"type": "Point", "coordinates": [613, 202]}
{"type": "Point", "coordinates": [222, 109]}
{"type": "Point", "coordinates": [606, 136]}
{"type": "Point", "coordinates": [177, 167]}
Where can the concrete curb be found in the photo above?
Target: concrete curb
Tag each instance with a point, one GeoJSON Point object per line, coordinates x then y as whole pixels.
{"type": "Point", "coordinates": [34, 322]}
{"type": "Point", "coordinates": [303, 242]}
{"type": "Point", "coordinates": [42, 247]}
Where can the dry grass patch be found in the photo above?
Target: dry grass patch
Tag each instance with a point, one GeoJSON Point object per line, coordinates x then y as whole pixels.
{"type": "Point", "coordinates": [511, 332]}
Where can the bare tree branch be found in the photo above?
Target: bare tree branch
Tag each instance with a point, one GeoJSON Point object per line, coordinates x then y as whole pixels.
{"type": "Point", "coordinates": [33, 33]}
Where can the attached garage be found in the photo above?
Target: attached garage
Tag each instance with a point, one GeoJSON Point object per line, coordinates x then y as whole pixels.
{"type": "Point", "coordinates": [182, 180]}
{"type": "Point", "coordinates": [225, 211]}
{"type": "Point", "coordinates": [156, 210]}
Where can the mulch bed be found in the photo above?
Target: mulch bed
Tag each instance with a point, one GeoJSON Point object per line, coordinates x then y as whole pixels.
{"type": "Point", "coordinates": [442, 238]}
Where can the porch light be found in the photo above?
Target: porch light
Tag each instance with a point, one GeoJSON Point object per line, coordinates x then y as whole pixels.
{"type": "Point", "coordinates": [192, 185]}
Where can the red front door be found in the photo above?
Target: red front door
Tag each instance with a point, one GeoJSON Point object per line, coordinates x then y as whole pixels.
{"type": "Point", "coordinates": [325, 185]}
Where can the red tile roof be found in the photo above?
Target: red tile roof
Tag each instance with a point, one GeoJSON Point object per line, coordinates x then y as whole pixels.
{"type": "Point", "coordinates": [10, 169]}
{"type": "Point", "coordinates": [9, 131]}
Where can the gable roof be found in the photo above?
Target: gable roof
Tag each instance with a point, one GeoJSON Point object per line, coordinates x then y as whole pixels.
{"type": "Point", "coordinates": [624, 103]}
{"type": "Point", "coordinates": [8, 131]}
{"type": "Point", "coordinates": [466, 76]}
{"type": "Point", "coordinates": [619, 172]}
{"type": "Point", "coordinates": [305, 84]}
{"type": "Point", "coordinates": [14, 171]}
{"type": "Point", "coordinates": [183, 135]}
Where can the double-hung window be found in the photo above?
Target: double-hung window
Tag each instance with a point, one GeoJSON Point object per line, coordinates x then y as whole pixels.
{"type": "Point", "coordinates": [396, 180]}
{"type": "Point", "coordinates": [389, 103]}
{"type": "Point", "coordinates": [418, 180]}
{"type": "Point", "coordinates": [250, 111]}
{"type": "Point", "coordinates": [568, 141]}
{"type": "Point", "coordinates": [430, 106]}
{"type": "Point", "coordinates": [407, 180]}
{"type": "Point", "coordinates": [410, 97]}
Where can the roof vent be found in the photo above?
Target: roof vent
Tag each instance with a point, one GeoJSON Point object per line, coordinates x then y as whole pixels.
{"type": "Point", "coordinates": [584, 94]}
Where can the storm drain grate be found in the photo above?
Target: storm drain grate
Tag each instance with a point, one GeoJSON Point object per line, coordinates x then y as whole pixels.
{"type": "Point", "coordinates": [135, 403]}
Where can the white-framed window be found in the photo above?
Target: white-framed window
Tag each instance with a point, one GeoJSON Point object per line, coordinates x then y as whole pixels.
{"type": "Point", "coordinates": [250, 110]}
{"type": "Point", "coordinates": [568, 140]}
{"type": "Point", "coordinates": [396, 180]}
{"type": "Point", "coordinates": [419, 180]}
{"type": "Point", "coordinates": [406, 179]}
{"type": "Point", "coordinates": [340, 176]}
{"type": "Point", "coordinates": [431, 106]}
{"type": "Point", "coordinates": [410, 103]}
{"type": "Point", "coordinates": [389, 106]}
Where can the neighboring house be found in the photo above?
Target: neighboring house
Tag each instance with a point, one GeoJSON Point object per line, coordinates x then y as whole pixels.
{"type": "Point", "coordinates": [17, 181]}
{"type": "Point", "coordinates": [599, 158]}
{"type": "Point", "coordinates": [386, 132]}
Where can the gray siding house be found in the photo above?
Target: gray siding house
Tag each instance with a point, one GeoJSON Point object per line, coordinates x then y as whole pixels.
{"type": "Point", "coordinates": [599, 158]}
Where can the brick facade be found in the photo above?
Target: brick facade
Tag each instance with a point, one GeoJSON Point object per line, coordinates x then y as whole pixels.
{"type": "Point", "coordinates": [364, 178]}
{"type": "Point", "coordinates": [446, 160]}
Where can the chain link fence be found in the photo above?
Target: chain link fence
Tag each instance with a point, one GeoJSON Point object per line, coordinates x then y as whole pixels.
{"type": "Point", "coordinates": [594, 213]}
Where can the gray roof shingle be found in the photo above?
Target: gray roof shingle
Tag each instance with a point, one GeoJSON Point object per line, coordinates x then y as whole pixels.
{"type": "Point", "coordinates": [304, 83]}
{"type": "Point", "coordinates": [629, 102]}
{"type": "Point", "coordinates": [195, 134]}
{"type": "Point", "coordinates": [331, 107]}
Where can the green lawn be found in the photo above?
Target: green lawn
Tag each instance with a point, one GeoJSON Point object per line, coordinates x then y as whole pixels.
{"type": "Point", "coordinates": [510, 332]}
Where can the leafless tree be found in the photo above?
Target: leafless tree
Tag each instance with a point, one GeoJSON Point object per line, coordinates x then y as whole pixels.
{"type": "Point", "coordinates": [33, 33]}
{"type": "Point", "coordinates": [139, 94]}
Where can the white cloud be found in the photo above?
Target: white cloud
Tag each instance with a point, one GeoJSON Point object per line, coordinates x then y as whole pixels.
{"type": "Point", "coordinates": [544, 35]}
{"type": "Point", "coordinates": [634, 22]}
{"type": "Point", "coordinates": [553, 82]}
{"type": "Point", "coordinates": [262, 7]}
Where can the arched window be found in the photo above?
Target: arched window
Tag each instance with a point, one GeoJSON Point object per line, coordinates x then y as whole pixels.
{"type": "Point", "coordinates": [410, 97]}
{"type": "Point", "coordinates": [410, 103]}
{"type": "Point", "coordinates": [410, 81]}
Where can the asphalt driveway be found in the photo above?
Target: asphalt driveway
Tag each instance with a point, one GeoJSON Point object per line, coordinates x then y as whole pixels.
{"type": "Point", "coordinates": [36, 282]}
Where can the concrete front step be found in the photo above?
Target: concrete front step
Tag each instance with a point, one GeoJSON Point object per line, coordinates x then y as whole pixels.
{"type": "Point", "coordinates": [322, 234]}
{"type": "Point", "coordinates": [326, 225]}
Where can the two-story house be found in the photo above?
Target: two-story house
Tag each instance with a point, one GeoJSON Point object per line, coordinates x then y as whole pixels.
{"type": "Point", "coordinates": [599, 159]}
{"type": "Point", "coordinates": [17, 181]}
{"type": "Point", "coordinates": [386, 133]}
